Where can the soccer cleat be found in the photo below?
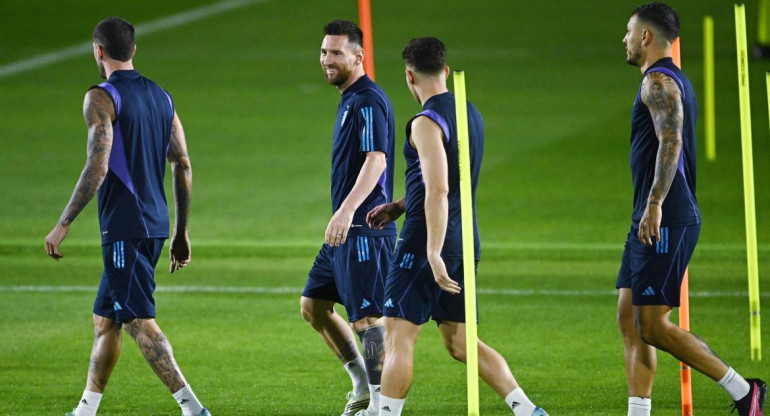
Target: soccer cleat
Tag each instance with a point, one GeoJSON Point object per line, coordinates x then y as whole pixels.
{"type": "Point", "coordinates": [72, 413]}
{"type": "Point", "coordinates": [754, 402]}
{"type": "Point", "coordinates": [355, 403]}
{"type": "Point", "coordinates": [539, 412]}
{"type": "Point", "coordinates": [365, 412]}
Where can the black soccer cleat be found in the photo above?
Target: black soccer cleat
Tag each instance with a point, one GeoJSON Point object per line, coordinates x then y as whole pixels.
{"type": "Point", "coordinates": [754, 402]}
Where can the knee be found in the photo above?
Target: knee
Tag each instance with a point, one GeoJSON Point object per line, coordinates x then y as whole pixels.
{"type": "Point", "coordinates": [314, 314]}
{"type": "Point", "coordinates": [650, 332]}
{"type": "Point", "coordinates": [456, 349]}
{"type": "Point", "coordinates": [104, 326]}
{"type": "Point", "coordinates": [626, 323]}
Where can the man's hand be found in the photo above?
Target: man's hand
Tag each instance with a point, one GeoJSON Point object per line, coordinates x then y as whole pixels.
{"type": "Point", "coordinates": [339, 225]}
{"type": "Point", "coordinates": [54, 238]}
{"type": "Point", "coordinates": [382, 215]}
{"type": "Point", "coordinates": [179, 251]}
{"type": "Point", "coordinates": [649, 225]}
{"type": "Point", "coordinates": [442, 276]}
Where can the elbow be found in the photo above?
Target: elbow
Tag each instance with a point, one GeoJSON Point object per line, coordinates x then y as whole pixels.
{"type": "Point", "coordinates": [441, 191]}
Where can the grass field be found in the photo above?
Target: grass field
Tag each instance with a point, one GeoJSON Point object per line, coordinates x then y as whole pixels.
{"type": "Point", "coordinates": [554, 202]}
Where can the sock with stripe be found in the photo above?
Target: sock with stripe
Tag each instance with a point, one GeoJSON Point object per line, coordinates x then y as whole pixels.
{"type": "Point", "coordinates": [190, 404]}
{"type": "Point", "coordinates": [356, 368]}
{"type": "Point", "coordinates": [390, 406]}
{"type": "Point", "coordinates": [89, 404]}
{"type": "Point", "coordinates": [734, 384]}
{"type": "Point", "coordinates": [519, 403]}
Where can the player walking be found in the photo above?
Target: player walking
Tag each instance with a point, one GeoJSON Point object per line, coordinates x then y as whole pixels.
{"type": "Point", "coordinates": [428, 258]}
{"type": "Point", "coordinates": [666, 221]}
{"type": "Point", "coordinates": [352, 264]}
{"type": "Point", "coordinates": [132, 128]}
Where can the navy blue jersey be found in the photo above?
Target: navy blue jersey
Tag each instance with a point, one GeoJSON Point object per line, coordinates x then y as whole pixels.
{"type": "Point", "coordinates": [132, 201]}
{"type": "Point", "coordinates": [680, 208]}
{"type": "Point", "coordinates": [441, 109]}
{"type": "Point", "coordinates": [365, 123]}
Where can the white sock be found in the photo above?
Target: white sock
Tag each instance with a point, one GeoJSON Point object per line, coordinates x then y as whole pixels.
{"type": "Point", "coordinates": [357, 371]}
{"type": "Point", "coordinates": [734, 385]}
{"type": "Point", "coordinates": [391, 407]}
{"type": "Point", "coordinates": [374, 398]}
{"type": "Point", "coordinates": [188, 402]}
{"type": "Point", "coordinates": [519, 403]}
{"type": "Point", "coordinates": [89, 403]}
{"type": "Point", "coordinates": [639, 406]}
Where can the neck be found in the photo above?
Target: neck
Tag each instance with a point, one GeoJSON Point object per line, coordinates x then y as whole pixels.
{"type": "Point", "coordinates": [358, 72]}
{"type": "Point", "coordinates": [111, 65]}
{"type": "Point", "coordinates": [655, 56]}
{"type": "Point", "coordinates": [430, 89]}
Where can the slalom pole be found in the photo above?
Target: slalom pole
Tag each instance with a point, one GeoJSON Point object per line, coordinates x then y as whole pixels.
{"type": "Point", "coordinates": [365, 21]}
{"type": "Point", "coordinates": [469, 252]}
{"type": "Point", "coordinates": [708, 88]}
{"type": "Point", "coordinates": [748, 181]}
{"type": "Point", "coordinates": [684, 296]}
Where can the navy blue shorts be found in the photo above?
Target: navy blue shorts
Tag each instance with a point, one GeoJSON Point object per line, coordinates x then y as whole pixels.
{"type": "Point", "coordinates": [412, 293]}
{"type": "Point", "coordinates": [128, 281]}
{"type": "Point", "coordinates": [654, 272]}
{"type": "Point", "coordinates": [352, 274]}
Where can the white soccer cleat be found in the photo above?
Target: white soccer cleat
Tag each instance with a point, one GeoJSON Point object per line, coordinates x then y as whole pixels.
{"type": "Point", "coordinates": [356, 403]}
{"type": "Point", "coordinates": [366, 412]}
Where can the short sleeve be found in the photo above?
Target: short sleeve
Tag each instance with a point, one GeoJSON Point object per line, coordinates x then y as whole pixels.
{"type": "Point", "coordinates": [372, 121]}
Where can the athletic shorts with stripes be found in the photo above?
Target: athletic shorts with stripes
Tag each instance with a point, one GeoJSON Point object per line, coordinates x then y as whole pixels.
{"type": "Point", "coordinates": [352, 274]}
{"type": "Point", "coordinates": [128, 280]}
{"type": "Point", "coordinates": [654, 272]}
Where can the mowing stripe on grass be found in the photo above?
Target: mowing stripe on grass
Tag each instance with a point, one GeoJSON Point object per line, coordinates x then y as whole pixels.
{"type": "Point", "coordinates": [143, 29]}
{"type": "Point", "coordinates": [297, 290]}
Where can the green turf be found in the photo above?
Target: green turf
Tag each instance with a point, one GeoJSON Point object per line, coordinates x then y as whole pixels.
{"type": "Point", "coordinates": [554, 202]}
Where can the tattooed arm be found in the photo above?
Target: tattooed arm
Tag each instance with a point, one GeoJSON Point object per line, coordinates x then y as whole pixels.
{"type": "Point", "coordinates": [181, 170]}
{"type": "Point", "coordinates": [661, 95]}
{"type": "Point", "coordinates": [98, 112]}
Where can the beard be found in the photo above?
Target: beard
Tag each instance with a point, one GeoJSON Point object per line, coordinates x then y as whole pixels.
{"type": "Point", "coordinates": [632, 58]}
{"type": "Point", "coordinates": [340, 77]}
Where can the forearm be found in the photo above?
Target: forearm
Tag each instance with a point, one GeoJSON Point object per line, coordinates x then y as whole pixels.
{"type": "Point", "coordinates": [182, 174]}
{"type": "Point", "coordinates": [436, 217]}
{"type": "Point", "coordinates": [400, 205]}
{"type": "Point", "coordinates": [90, 180]}
{"type": "Point", "coordinates": [367, 179]}
{"type": "Point", "coordinates": [666, 165]}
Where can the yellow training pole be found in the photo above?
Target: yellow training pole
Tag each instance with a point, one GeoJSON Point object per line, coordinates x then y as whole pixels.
{"type": "Point", "coordinates": [469, 253]}
{"type": "Point", "coordinates": [748, 180]}
{"type": "Point", "coordinates": [708, 88]}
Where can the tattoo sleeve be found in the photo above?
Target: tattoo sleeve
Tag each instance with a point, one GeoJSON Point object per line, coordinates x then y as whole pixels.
{"type": "Point", "coordinates": [181, 170]}
{"type": "Point", "coordinates": [662, 97]}
{"type": "Point", "coordinates": [158, 352]}
{"type": "Point", "coordinates": [98, 112]}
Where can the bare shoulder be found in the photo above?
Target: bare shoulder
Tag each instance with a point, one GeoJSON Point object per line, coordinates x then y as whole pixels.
{"type": "Point", "coordinates": [98, 106]}
{"type": "Point", "coordinates": [659, 89]}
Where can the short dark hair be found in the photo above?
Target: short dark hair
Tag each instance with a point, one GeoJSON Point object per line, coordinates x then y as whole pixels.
{"type": "Point", "coordinates": [660, 15]}
{"type": "Point", "coordinates": [425, 55]}
{"type": "Point", "coordinates": [116, 36]}
{"type": "Point", "coordinates": [345, 27]}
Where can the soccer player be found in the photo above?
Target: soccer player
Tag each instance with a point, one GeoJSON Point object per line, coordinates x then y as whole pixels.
{"type": "Point", "coordinates": [132, 128]}
{"type": "Point", "coordinates": [352, 264]}
{"type": "Point", "coordinates": [666, 221]}
{"type": "Point", "coordinates": [428, 259]}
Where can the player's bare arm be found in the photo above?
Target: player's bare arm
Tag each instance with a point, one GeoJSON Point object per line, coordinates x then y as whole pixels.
{"type": "Point", "coordinates": [372, 169]}
{"type": "Point", "coordinates": [384, 214]}
{"type": "Point", "coordinates": [181, 171]}
{"type": "Point", "coordinates": [661, 95]}
{"type": "Point", "coordinates": [98, 112]}
{"type": "Point", "coordinates": [427, 138]}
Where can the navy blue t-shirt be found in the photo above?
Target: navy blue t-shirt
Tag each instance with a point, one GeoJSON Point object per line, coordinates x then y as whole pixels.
{"type": "Point", "coordinates": [441, 109]}
{"type": "Point", "coordinates": [132, 200]}
{"type": "Point", "coordinates": [680, 208]}
{"type": "Point", "coordinates": [365, 123]}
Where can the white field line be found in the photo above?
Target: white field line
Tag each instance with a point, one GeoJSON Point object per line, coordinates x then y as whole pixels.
{"type": "Point", "coordinates": [298, 290]}
{"type": "Point", "coordinates": [143, 29]}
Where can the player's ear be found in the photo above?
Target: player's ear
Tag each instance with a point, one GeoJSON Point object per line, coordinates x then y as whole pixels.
{"type": "Point", "coordinates": [133, 52]}
{"type": "Point", "coordinates": [360, 54]}
{"type": "Point", "coordinates": [446, 72]}
{"type": "Point", "coordinates": [409, 76]}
